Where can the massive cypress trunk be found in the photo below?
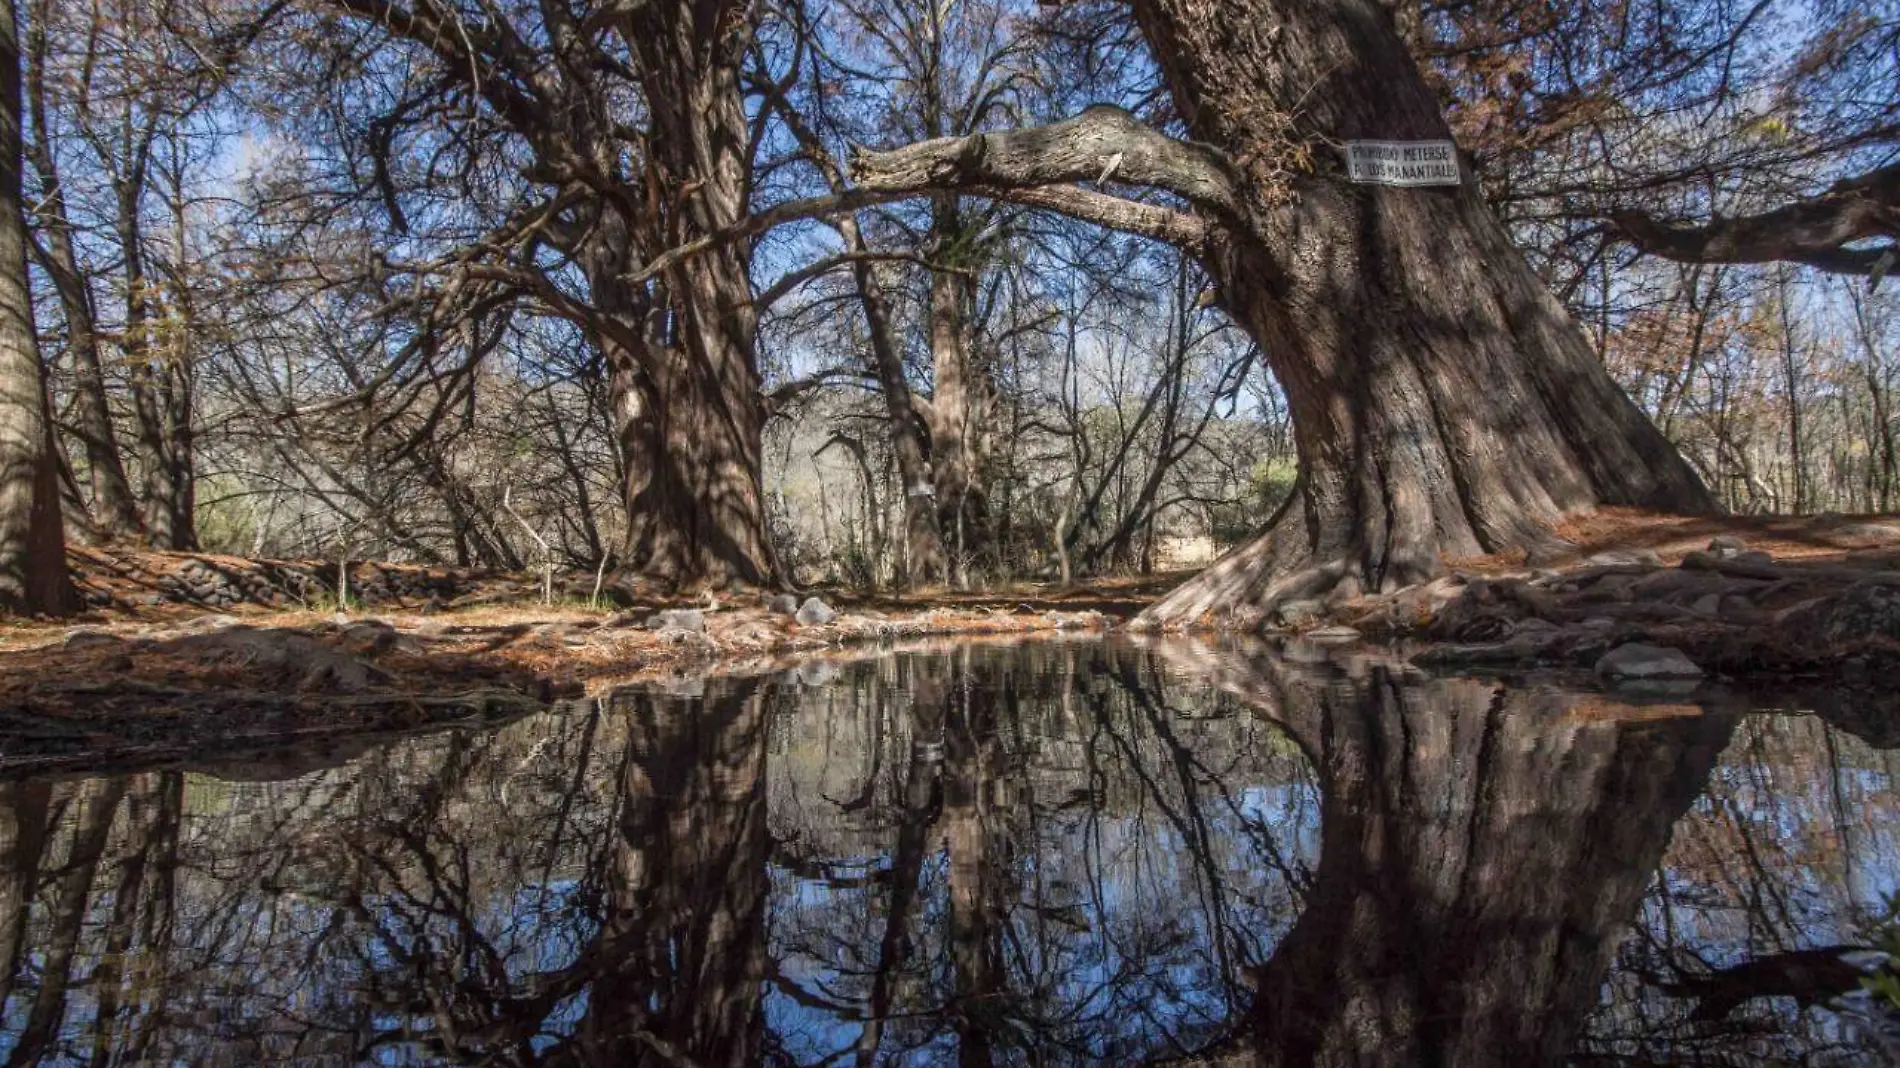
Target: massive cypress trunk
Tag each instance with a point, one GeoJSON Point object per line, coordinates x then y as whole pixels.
{"type": "Point", "coordinates": [687, 417]}
{"type": "Point", "coordinates": [1445, 404]}
{"type": "Point", "coordinates": [33, 574]}
{"type": "Point", "coordinates": [629, 183]}
{"type": "Point", "coordinates": [685, 379]}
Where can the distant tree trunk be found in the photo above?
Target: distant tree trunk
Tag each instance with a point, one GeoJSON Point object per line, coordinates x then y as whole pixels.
{"type": "Point", "coordinates": [924, 557]}
{"type": "Point", "coordinates": [1791, 381]}
{"type": "Point", "coordinates": [159, 379]}
{"type": "Point", "coordinates": [1445, 404]}
{"type": "Point", "coordinates": [957, 399]}
{"type": "Point", "coordinates": [33, 577]}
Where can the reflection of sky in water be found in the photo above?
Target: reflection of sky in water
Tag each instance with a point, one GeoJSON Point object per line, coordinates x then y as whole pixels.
{"type": "Point", "coordinates": [1132, 874]}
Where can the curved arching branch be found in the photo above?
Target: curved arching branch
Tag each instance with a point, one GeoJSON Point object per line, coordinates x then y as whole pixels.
{"type": "Point", "coordinates": [1101, 144]}
{"type": "Point", "coordinates": [1814, 230]}
{"type": "Point", "coordinates": [1036, 167]}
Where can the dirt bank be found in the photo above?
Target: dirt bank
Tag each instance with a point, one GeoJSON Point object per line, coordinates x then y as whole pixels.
{"type": "Point", "coordinates": [145, 676]}
{"type": "Point", "coordinates": [146, 689]}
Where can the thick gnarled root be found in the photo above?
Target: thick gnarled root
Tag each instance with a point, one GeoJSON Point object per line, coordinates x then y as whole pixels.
{"type": "Point", "coordinates": [1278, 579]}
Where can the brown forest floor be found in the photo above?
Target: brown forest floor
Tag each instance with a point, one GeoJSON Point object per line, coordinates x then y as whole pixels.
{"type": "Point", "coordinates": [142, 682]}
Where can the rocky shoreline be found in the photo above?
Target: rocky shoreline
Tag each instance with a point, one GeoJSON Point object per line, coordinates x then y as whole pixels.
{"type": "Point", "coordinates": [1727, 609]}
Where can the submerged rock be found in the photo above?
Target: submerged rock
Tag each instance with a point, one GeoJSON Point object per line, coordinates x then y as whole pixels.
{"type": "Point", "coordinates": [1299, 613]}
{"type": "Point", "coordinates": [690, 620]}
{"type": "Point", "coordinates": [1635, 660]}
{"type": "Point", "coordinates": [815, 613]}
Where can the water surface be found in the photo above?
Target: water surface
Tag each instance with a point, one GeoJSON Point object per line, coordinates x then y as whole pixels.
{"type": "Point", "coordinates": [1052, 853]}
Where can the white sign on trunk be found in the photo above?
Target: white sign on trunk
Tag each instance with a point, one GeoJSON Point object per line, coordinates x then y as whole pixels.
{"type": "Point", "coordinates": [1402, 162]}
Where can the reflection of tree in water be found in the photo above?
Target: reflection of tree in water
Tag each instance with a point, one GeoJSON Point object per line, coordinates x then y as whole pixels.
{"type": "Point", "coordinates": [1060, 854]}
{"type": "Point", "coordinates": [1057, 868]}
{"type": "Point", "coordinates": [1776, 870]}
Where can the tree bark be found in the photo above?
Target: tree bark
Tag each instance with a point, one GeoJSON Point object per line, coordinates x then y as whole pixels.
{"type": "Point", "coordinates": [687, 416]}
{"type": "Point", "coordinates": [686, 390]}
{"type": "Point", "coordinates": [956, 408]}
{"type": "Point", "coordinates": [924, 557]}
{"type": "Point", "coordinates": [1444, 404]}
{"type": "Point", "coordinates": [1814, 230]}
{"type": "Point", "coordinates": [676, 330]}
{"type": "Point", "coordinates": [33, 576]}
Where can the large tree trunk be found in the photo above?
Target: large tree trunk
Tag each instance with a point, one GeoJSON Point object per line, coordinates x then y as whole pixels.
{"type": "Point", "coordinates": [957, 409]}
{"type": "Point", "coordinates": [685, 380]}
{"type": "Point", "coordinates": [688, 420]}
{"type": "Point", "coordinates": [33, 575]}
{"type": "Point", "coordinates": [1445, 404]}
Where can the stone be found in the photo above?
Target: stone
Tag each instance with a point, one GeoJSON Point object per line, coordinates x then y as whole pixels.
{"type": "Point", "coordinates": [815, 613]}
{"type": "Point", "coordinates": [1865, 610]}
{"type": "Point", "coordinates": [91, 639]}
{"type": "Point", "coordinates": [816, 673]}
{"type": "Point", "coordinates": [1332, 634]}
{"type": "Point", "coordinates": [1300, 613]}
{"type": "Point", "coordinates": [690, 620]}
{"type": "Point", "coordinates": [1626, 558]}
{"type": "Point", "coordinates": [1725, 546]}
{"type": "Point", "coordinates": [1547, 553]}
{"type": "Point", "coordinates": [319, 668]}
{"type": "Point", "coordinates": [1635, 660]}
{"type": "Point", "coordinates": [1880, 532]}
{"type": "Point", "coordinates": [367, 637]}
{"type": "Point", "coordinates": [783, 604]}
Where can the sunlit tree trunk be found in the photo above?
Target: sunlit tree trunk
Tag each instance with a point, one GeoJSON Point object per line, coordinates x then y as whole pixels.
{"type": "Point", "coordinates": [33, 576]}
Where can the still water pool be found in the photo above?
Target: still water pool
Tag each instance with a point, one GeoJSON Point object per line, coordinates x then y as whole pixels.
{"type": "Point", "coordinates": [1041, 854]}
